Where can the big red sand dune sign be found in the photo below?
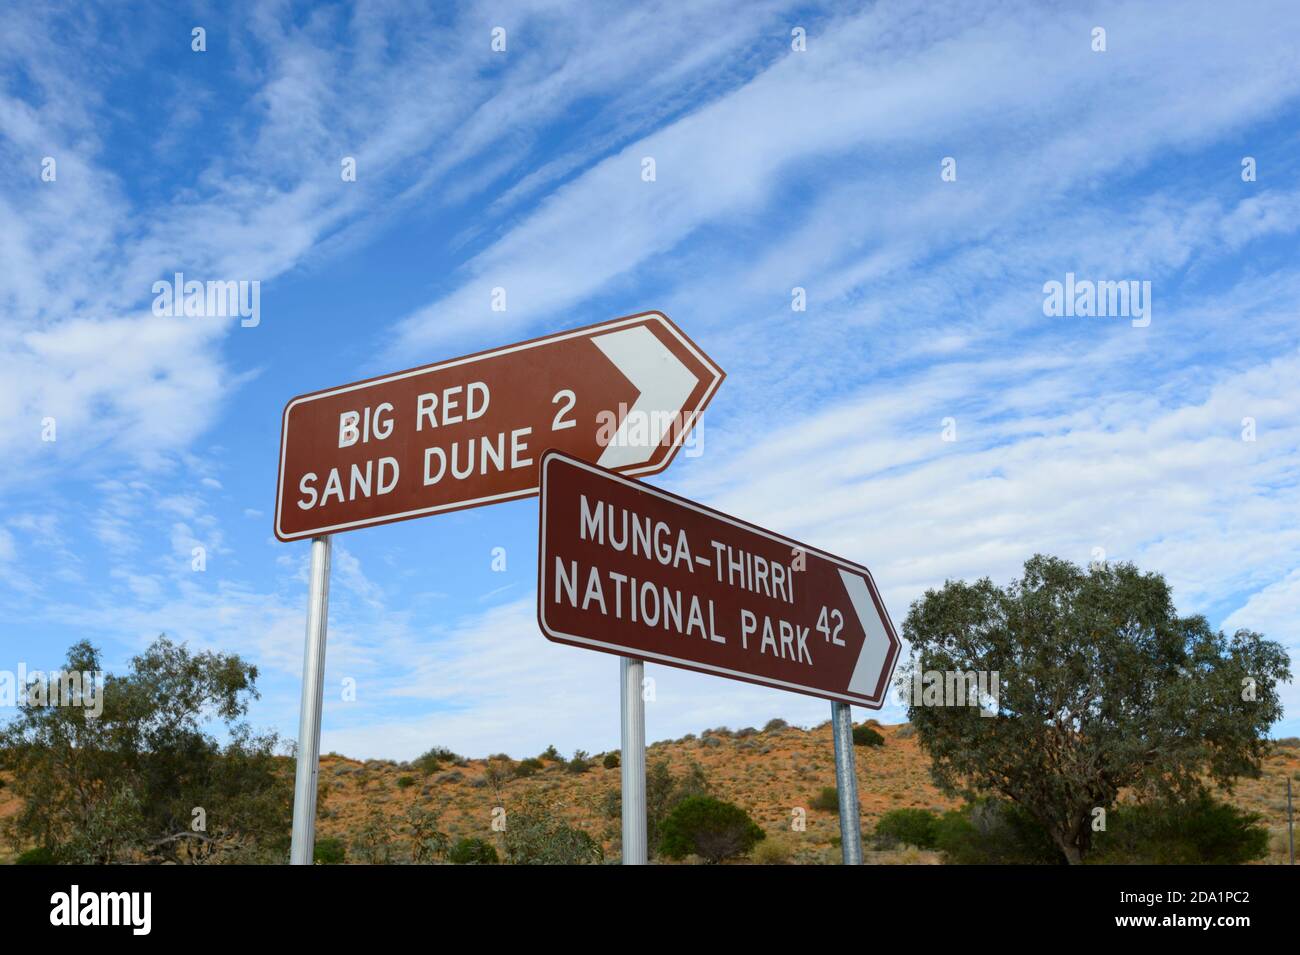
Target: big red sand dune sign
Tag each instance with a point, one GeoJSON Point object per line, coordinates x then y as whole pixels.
{"type": "Point", "coordinates": [629, 569]}
{"type": "Point", "coordinates": [471, 431]}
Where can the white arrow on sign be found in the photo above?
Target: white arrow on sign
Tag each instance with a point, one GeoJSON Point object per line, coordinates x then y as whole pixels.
{"type": "Point", "coordinates": [664, 384]}
{"type": "Point", "coordinates": [874, 655]}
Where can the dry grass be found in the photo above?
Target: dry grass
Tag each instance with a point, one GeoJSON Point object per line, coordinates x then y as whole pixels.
{"type": "Point", "coordinates": [770, 774]}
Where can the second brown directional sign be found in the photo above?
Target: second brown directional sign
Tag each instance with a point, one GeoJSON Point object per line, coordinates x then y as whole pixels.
{"type": "Point", "coordinates": [629, 569]}
{"type": "Point", "coordinates": [471, 431]}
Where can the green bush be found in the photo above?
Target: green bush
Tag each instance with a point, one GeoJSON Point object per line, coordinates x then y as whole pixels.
{"type": "Point", "coordinates": [405, 782]}
{"type": "Point", "coordinates": [329, 852]}
{"type": "Point", "coordinates": [709, 828]}
{"type": "Point", "coordinates": [611, 761]}
{"type": "Point", "coordinates": [828, 800]}
{"type": "Point", "coordinates": [994, 832]}
{"type": "Point", "coordinates": [473, 852]}
{"type": "Point", "coordinates": [1199, 831]}
{"type": "Point", "coordinates": [527, 767]}
{"type": "Point", "coordinates": [866, 736]}
{"type": "Point", "coordinates": [551, 754]}
{"type": "Point", "coordinates": [907, 827]}
{"type": "Point", "coordinates": [580, 763]}
{"type": "Point", "coordinates": [664, 791]}
{"type": "Point", "coordinates": [538, 835]}
{"type": "Point", "coordinates": [431, 761]}
{"type": "Point", "coordinates": [120, 787]}
{"type": "Point", "coordinates": [774, 724]}
{"type": "Point", "coordinates": [41, 855]}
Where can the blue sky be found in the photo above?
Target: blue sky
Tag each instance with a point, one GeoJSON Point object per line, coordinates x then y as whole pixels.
{"type": "Point", "coordinates": [775, 168]}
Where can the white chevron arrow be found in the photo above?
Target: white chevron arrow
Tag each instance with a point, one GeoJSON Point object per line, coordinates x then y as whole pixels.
{"type": "Point", "coordinates": [664, 384]}
{"type": "Point", "coordinates": [875, 644]}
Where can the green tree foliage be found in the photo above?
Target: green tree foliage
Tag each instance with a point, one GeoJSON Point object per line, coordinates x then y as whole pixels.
{"type": "Point", "coordinates": [611, 761]}
{"type": "Point", "coordinates": [125, 785]}
{"type": "Point", "coordinates": [906, 827]}
{"type": "Point", "coordinates": [1103, 686]}
{"type": "Point", "coordinates": [38, 856]}
{"type": "Point", "coordinates": [536, 834]}
{"type": "Point", "coordinates": [1199, 831]}
{"type": "Point", "coordinates": [473, 852]}
{"type": "Point", "coordinates": [710, 828]}
{"type": "Point", "coordinates": [994, 832]}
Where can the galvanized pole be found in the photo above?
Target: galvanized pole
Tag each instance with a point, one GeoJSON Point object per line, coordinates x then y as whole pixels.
{"type": "Point", "coordinates": [846, 783]}
{"type": "Point", "coordinates": [1290, 821]}
{"type": "Point", "coordinates": [633, 761]}
{"type": "Point", "coordinates": [302, 848]}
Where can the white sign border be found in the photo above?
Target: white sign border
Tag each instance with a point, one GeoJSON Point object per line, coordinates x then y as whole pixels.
{"type": "Point", "coordinates": [865, 702]}
{"type": "Point", "coordinates": [590, 330]}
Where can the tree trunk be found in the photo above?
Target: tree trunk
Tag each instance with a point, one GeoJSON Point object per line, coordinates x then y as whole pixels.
{"type": "Point", "coordinates": [1075, 842]}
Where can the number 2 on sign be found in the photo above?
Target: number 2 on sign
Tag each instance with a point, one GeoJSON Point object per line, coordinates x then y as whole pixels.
{"type": "Point", "coordinates": [559, 424]}
{"type": "Point", "coordinates": [824, 626]}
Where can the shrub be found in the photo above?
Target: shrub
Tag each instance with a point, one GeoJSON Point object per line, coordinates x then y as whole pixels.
{"type": "Point", "coordinates": [774, 850]}
{"type": "Point", "coordinates": [405, 782]}
{"type": "Point", "coordinates": [41, 855]}
{"type": "Point", "coordinates": [994, 832]}
{"type": "Point", "coordinates": [709, 828]}
{"type": "Point", "coordinates": [527, 767]}
{"type": "Point", "coordinates": [867, 736]}
{"type": "Point", "coordinates": [537, 835]}
{"type": "Point", "coordinates": [431, 761]}
{"type": "Point", "coordinates": [828, 800]}
{"type": "Point", "coordinates": [907, 827]}
{"type": "Point", "coordinates": [329, 851]}
{"type": "Point", "coordinates": [1199, 831]}
{"type": "Point", "coordinates": [427, 842]}
{"type": "Point", "coordinates": [552, 755]}
{"type": "Point", "coordinates": [473, 852]}
{"type": "Point", "coordinates": [772, 725]}
{"type": "Point", "coordinates": [611, 761]}
{"type": "Point", "coordinates": [373, 843]}
{"type": "Point", "coordinates": [663, 792]}
{"type": "Point", "coordinates": [580, 763]}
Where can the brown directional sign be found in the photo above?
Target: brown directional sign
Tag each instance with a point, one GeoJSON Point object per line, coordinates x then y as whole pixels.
{"type": "Point", "coordinates": [470, 431]}
{"type": "Point", "coordinates": [629, 569]}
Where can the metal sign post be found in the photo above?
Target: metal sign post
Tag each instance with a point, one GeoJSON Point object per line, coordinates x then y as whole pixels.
{"type": "Point", "coordinates": [313, 687]}
{"type": "Point", "coordinates": [846, 783]}
{"type": "Point", "coordinates": [632, 701]}
{"type": "Point", "coordinates": [1290, 822]}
